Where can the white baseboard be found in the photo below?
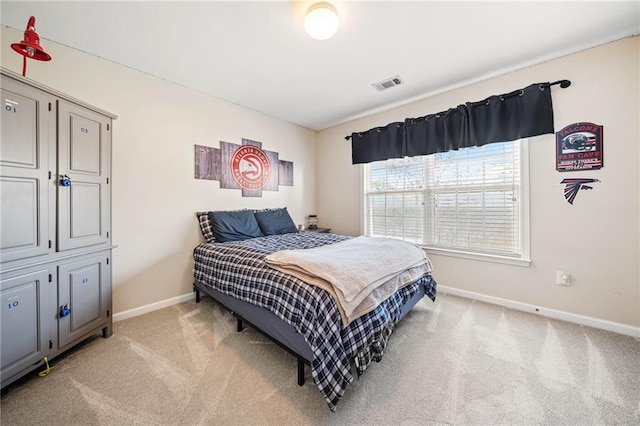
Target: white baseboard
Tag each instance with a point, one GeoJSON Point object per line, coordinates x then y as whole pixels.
{"type": "Point", "coordinates": [615, 327]}
{"type": "Point", "coordinates": [152, 307]}
{"type": "Point", "coordinates": [550, 313]}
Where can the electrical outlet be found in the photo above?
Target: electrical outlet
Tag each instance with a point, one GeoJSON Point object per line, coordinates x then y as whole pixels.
{"type": "Point", "coordinates": [563, 278]}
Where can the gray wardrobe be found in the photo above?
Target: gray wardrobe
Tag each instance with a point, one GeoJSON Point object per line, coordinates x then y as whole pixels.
{"type": "Point", "coordinates": [55, 213]}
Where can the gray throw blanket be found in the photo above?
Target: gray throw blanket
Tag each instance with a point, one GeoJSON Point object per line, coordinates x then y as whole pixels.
{"type": "Point", "coordinates": [359, 273]}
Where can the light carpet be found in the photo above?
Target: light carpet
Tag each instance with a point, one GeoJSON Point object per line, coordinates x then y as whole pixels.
{"type": "Point", "coordinates": [456, 361]}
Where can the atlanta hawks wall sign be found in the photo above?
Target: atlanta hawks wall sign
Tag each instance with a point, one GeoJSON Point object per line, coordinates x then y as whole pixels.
{"type": "Point", "coordinates": [247, 167]}
{"type": "Point", "coordinates": [579, 147]}
{"type": "Point", "coordinates": [250, 167]}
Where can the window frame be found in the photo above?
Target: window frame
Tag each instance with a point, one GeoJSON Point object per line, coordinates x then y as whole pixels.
{"type": "Point", "coordinates": [525, 237]}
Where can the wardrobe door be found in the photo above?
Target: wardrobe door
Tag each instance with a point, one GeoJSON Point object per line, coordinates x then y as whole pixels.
{"type": "Point", "coordinates": [24, 171]}
{"type": "Point", "coordinates": [24, 322]}
{"type": "Point", "coordinates": [83, 297]}
{"type": "Point", "coordinates": [84, 146]}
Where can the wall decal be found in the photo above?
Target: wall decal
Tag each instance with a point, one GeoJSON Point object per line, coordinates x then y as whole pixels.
{"type": "Point", "coordinates": [247, 167]}
{"type": "Point", "coordinates": [573, 185]}
{"type": "Point", "coordinates": [579, 147]}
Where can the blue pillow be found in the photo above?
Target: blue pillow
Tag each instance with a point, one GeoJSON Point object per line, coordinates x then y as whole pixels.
{"type": "Point", "coordinates": [234, 225]}
{"type": "Point", "coordinates": [274, 222]}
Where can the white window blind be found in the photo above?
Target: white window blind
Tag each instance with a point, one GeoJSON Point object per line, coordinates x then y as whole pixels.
{"type": "Point", "coordinates": [466, 200]}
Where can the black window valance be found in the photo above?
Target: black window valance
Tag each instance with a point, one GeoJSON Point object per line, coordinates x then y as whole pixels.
{"type": "Point", "coordinates": [519, 114]}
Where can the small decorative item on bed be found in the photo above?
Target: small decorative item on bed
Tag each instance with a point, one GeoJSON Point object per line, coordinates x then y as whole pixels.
{"type": "Point", "coordinates": [313, 293]}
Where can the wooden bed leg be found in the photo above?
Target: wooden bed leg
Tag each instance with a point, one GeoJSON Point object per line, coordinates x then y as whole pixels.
{"type": "Point", "coordinates": [197, 294]}
{"type": "Point", "coordinates": [300, 372]}
{"type": "Point", "coordinates": [239, 325]}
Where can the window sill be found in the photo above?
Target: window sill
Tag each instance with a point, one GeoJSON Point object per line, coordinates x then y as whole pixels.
{"type": "Point", "coordinates": [479, 257]}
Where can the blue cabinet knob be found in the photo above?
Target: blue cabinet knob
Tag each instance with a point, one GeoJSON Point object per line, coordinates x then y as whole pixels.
{"type": "Point", "coordinates": [65, 181]}
{"type": "Point", "coordinates": [65, 311]}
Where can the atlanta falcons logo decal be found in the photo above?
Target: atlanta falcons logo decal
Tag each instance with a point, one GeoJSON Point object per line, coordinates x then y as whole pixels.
{"type": "Point", "coordinates": [573, 185]}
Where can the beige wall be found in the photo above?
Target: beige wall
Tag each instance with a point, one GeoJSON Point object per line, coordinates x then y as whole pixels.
{"type": "Point", "coordinates": [155, 194]}
{"type": "Point", "coordinates": [596, 239]}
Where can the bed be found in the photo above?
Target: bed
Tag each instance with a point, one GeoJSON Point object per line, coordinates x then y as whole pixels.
{"type": "Point", "coordinates": [300, 317]}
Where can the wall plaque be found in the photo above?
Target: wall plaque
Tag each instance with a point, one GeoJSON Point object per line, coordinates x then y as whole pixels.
{"type": "Point", "coordinates": [247, 167]}
{"type": "Point", "coordinates": [579, 147]}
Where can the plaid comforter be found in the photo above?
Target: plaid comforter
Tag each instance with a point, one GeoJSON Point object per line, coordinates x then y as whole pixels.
{"type": "Point", "coordinates": [238, 269]}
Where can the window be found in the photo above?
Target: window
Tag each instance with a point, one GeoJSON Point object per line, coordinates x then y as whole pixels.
{"type": "Point", "coordinates": [472, 200]}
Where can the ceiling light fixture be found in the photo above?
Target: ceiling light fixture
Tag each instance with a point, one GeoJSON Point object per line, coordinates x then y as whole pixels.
{"type": "Point", "coordinates": [321, 21]}
{"type": "Point", "coordinates": [30, 46]}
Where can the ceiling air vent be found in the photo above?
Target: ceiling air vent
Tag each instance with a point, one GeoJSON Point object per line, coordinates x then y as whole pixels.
{"type": "Point", "coordinates": [388, 83]}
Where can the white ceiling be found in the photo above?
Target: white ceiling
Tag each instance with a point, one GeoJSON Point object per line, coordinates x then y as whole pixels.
{"type": "Point", "coordinates": [256, 54]}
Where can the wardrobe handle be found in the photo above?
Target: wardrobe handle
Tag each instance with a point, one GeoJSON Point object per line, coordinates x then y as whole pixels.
{"type": "Point", "coordinates": [65, 180]}
{"type": "Point", "coordinates": [65, 311]}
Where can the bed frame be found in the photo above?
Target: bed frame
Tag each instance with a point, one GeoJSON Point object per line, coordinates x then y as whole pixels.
{"type": "Point", "coordinates": [276, 329]}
